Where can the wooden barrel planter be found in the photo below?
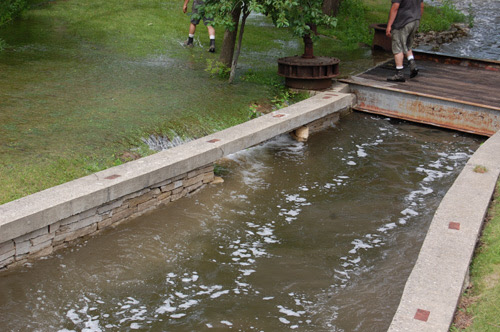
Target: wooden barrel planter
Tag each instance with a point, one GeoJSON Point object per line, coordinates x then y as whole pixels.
{"type": "Point", "coordinates": [380, 39]}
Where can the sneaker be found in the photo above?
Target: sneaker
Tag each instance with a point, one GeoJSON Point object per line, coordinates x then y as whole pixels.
{"type": "Point", "coordinates": [189, 42]}
{"type": "Point", "coordinates": [413, 68]}
{"type": "Point", "coordinates": [398, 77]}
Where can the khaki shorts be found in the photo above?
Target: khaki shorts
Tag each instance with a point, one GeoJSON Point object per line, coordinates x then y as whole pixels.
{"type": "Point", "coordinates": [402, 39]}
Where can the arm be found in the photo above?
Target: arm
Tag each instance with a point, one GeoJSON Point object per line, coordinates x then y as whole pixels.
{"type": "Point", "coordinates": [185, 7]}
{"type": "Point", "coordinates": [392, 16]}
{"type": "Point", "coordinates": [421, 9]}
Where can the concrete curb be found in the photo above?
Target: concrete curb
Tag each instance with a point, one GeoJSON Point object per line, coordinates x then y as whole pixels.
{"type": "Point", "coordinates": [31, 213]}
{"type": "Point", "coordinates": [436, 282]}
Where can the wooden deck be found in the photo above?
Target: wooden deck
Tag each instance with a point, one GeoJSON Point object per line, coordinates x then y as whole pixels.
{"type": "Point", "coordinates": [451, 92]}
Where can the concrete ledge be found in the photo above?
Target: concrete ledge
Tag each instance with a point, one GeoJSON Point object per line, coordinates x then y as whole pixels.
{"type": "Point", "coordinates": [435, 284]}
{"type": "Point", "coordinates": [89, 194]}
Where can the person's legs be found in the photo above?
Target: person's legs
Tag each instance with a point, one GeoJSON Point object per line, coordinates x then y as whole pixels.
{"type": "Point", "coordinates": [211, 34]}
{"type": "Point", "coordinates": [411, 30]}
{"type": "Point", "coordinates": [192, 25]}
{"type": "Point", "coordinates": [402, 42]}
{"type": "Point", "coordinates": [398, 59]}
{"type": "Point", "coordinates": [398, 77]}
{"type": "Point", "coordinates": [192, 30]}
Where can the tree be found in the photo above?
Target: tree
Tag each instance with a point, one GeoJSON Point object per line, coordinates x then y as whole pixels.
{"type": "Point", "coordinates": [331, 7]}
{"type": "Point", "coordinates": [300, 16]}
{"type": "Point", "coordinates": [229, 41]}
{"type": "Point", "coordinates": [10, 9]}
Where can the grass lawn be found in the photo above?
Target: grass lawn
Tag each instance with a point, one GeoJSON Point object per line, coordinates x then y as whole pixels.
{"type": "Point", "coordinates": [480, 305]}
{"type": "Point", "coordinates": [82, 83]}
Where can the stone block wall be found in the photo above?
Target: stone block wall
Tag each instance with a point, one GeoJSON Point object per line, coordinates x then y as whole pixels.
{"type": "Point", "coordinates": [61, 233]}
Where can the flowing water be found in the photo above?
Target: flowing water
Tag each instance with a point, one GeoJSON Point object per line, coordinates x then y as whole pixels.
{"type": "Point", "coordinates": [483, 41]}
{"type": "Point", "coordinates": [316, 236]}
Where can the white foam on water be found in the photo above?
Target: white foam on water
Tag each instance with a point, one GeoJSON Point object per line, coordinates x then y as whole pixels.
{"type": "Point", "coordinates": [188, 304]}
{"type": "Point", "coordinates": [166, 307]}
{"type": "Point", "coordinates": [219, 294]}
{"type": "Point", "coordinates": [226, 322]}
{"type": "Point", "coordinates": [295, 198]}
{"type": "Point", "coordinates": [92, 326]}
{"type": "Point", "coordinates": [290, 312]}
{"type": "Point", "coordinates": [361, 152]}
{"type": "Point", "coordinates": [284, 320]}
{"type": "Point", "coordinates": [73, 316]}
{"type": "Point", "coordinates": [247, 272]}
{"type": "Point", "coordinates": [359, 244]}
{"type": "Point", "coordinates": [177, 315]}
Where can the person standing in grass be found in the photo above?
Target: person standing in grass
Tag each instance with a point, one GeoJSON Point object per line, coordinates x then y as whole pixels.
{"type": "Point", "coordinates": [195, 21]}
{"type": "Point", "coordinates": [404, 19]}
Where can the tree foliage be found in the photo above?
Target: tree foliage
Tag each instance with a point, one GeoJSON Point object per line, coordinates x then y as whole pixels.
{"type": "Point", "coordinates": [297, 15]}
{"type": "Point", "coordinates": [300, 16]}
{"type": "Point", "coordinates": [10, 9]}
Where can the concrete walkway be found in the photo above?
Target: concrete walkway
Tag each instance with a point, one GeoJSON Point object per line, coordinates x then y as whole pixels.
{"type": "Point", "coordinates": [435, 284]}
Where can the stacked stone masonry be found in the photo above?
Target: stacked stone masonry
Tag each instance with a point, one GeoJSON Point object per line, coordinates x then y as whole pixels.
{"type": "Point", "coordinates": [61, 233]}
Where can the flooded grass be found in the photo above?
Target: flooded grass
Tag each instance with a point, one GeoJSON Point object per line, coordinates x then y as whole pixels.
{"type": "Point", "coordinates": [82, 82]}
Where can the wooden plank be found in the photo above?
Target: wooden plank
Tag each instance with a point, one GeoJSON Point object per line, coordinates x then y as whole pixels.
{"type": "Point", "coordinates": [466, 83]}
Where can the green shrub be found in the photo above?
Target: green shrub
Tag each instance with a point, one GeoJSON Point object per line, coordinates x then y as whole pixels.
{"type": "Point", "coordinates": [439, 16]}
{"type": "Point", "coordinates": [10, 9]}
{"type": "Point", "coordinates": [352, 27]}
{"type": "Point", "coordinates": [217, 69]}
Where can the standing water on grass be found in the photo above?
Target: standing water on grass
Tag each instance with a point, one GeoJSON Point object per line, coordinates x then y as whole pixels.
{"type": "Point", "coordinates": [315, 236]}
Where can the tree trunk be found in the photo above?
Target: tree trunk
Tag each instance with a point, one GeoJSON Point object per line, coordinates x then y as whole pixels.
{"type": "Point", "coordinates": [229, 42]}
{"type": "Point", "coordinates": [246, 12]}
{"type": "Point", "coordinates": [308, 43]}
{"type": "Point", "coordinates": [331, 7]}
{"type": "Point", "coordinates": [308, 47]}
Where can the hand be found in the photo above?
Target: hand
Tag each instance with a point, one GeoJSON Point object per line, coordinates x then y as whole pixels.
{"type": "Point", "coordinates": [388, 31]}
{"type": "Point", "coordinates": [184, 8]}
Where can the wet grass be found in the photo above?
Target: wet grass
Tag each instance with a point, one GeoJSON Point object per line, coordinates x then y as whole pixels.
{"type": "Point", "coordinates": [481, 302]}
{"type": "Point", "coordinates": [82, 82]}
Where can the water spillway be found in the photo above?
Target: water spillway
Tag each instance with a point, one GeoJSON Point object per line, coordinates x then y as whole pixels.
{"type": "Point", "coordinates": [315, 236]}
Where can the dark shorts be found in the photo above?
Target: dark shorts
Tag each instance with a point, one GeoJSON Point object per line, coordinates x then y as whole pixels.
{"type": "Point", "coordinates": [195, 10]}
{"type": "Point", "coordinates": [402, 39]}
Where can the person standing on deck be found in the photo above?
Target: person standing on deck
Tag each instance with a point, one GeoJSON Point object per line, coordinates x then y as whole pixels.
{"type": "Point", "coordinates": [196, 21]}
{"type": "Point", "coordinates": [404, 19]}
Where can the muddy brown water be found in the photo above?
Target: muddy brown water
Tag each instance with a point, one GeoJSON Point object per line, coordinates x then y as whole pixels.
{"type": "Point", "coordinates": [315, 236]}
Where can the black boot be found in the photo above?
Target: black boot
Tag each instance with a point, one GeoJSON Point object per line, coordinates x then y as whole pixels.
{"type": "Point", "coordinates": [398, 77]}
{"type": "Point", "coordinates": [211, 49]}
{"type": "Point", "coordinates": [189, 42]}
{"type": "Point", "coordinates": [413, 68]}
